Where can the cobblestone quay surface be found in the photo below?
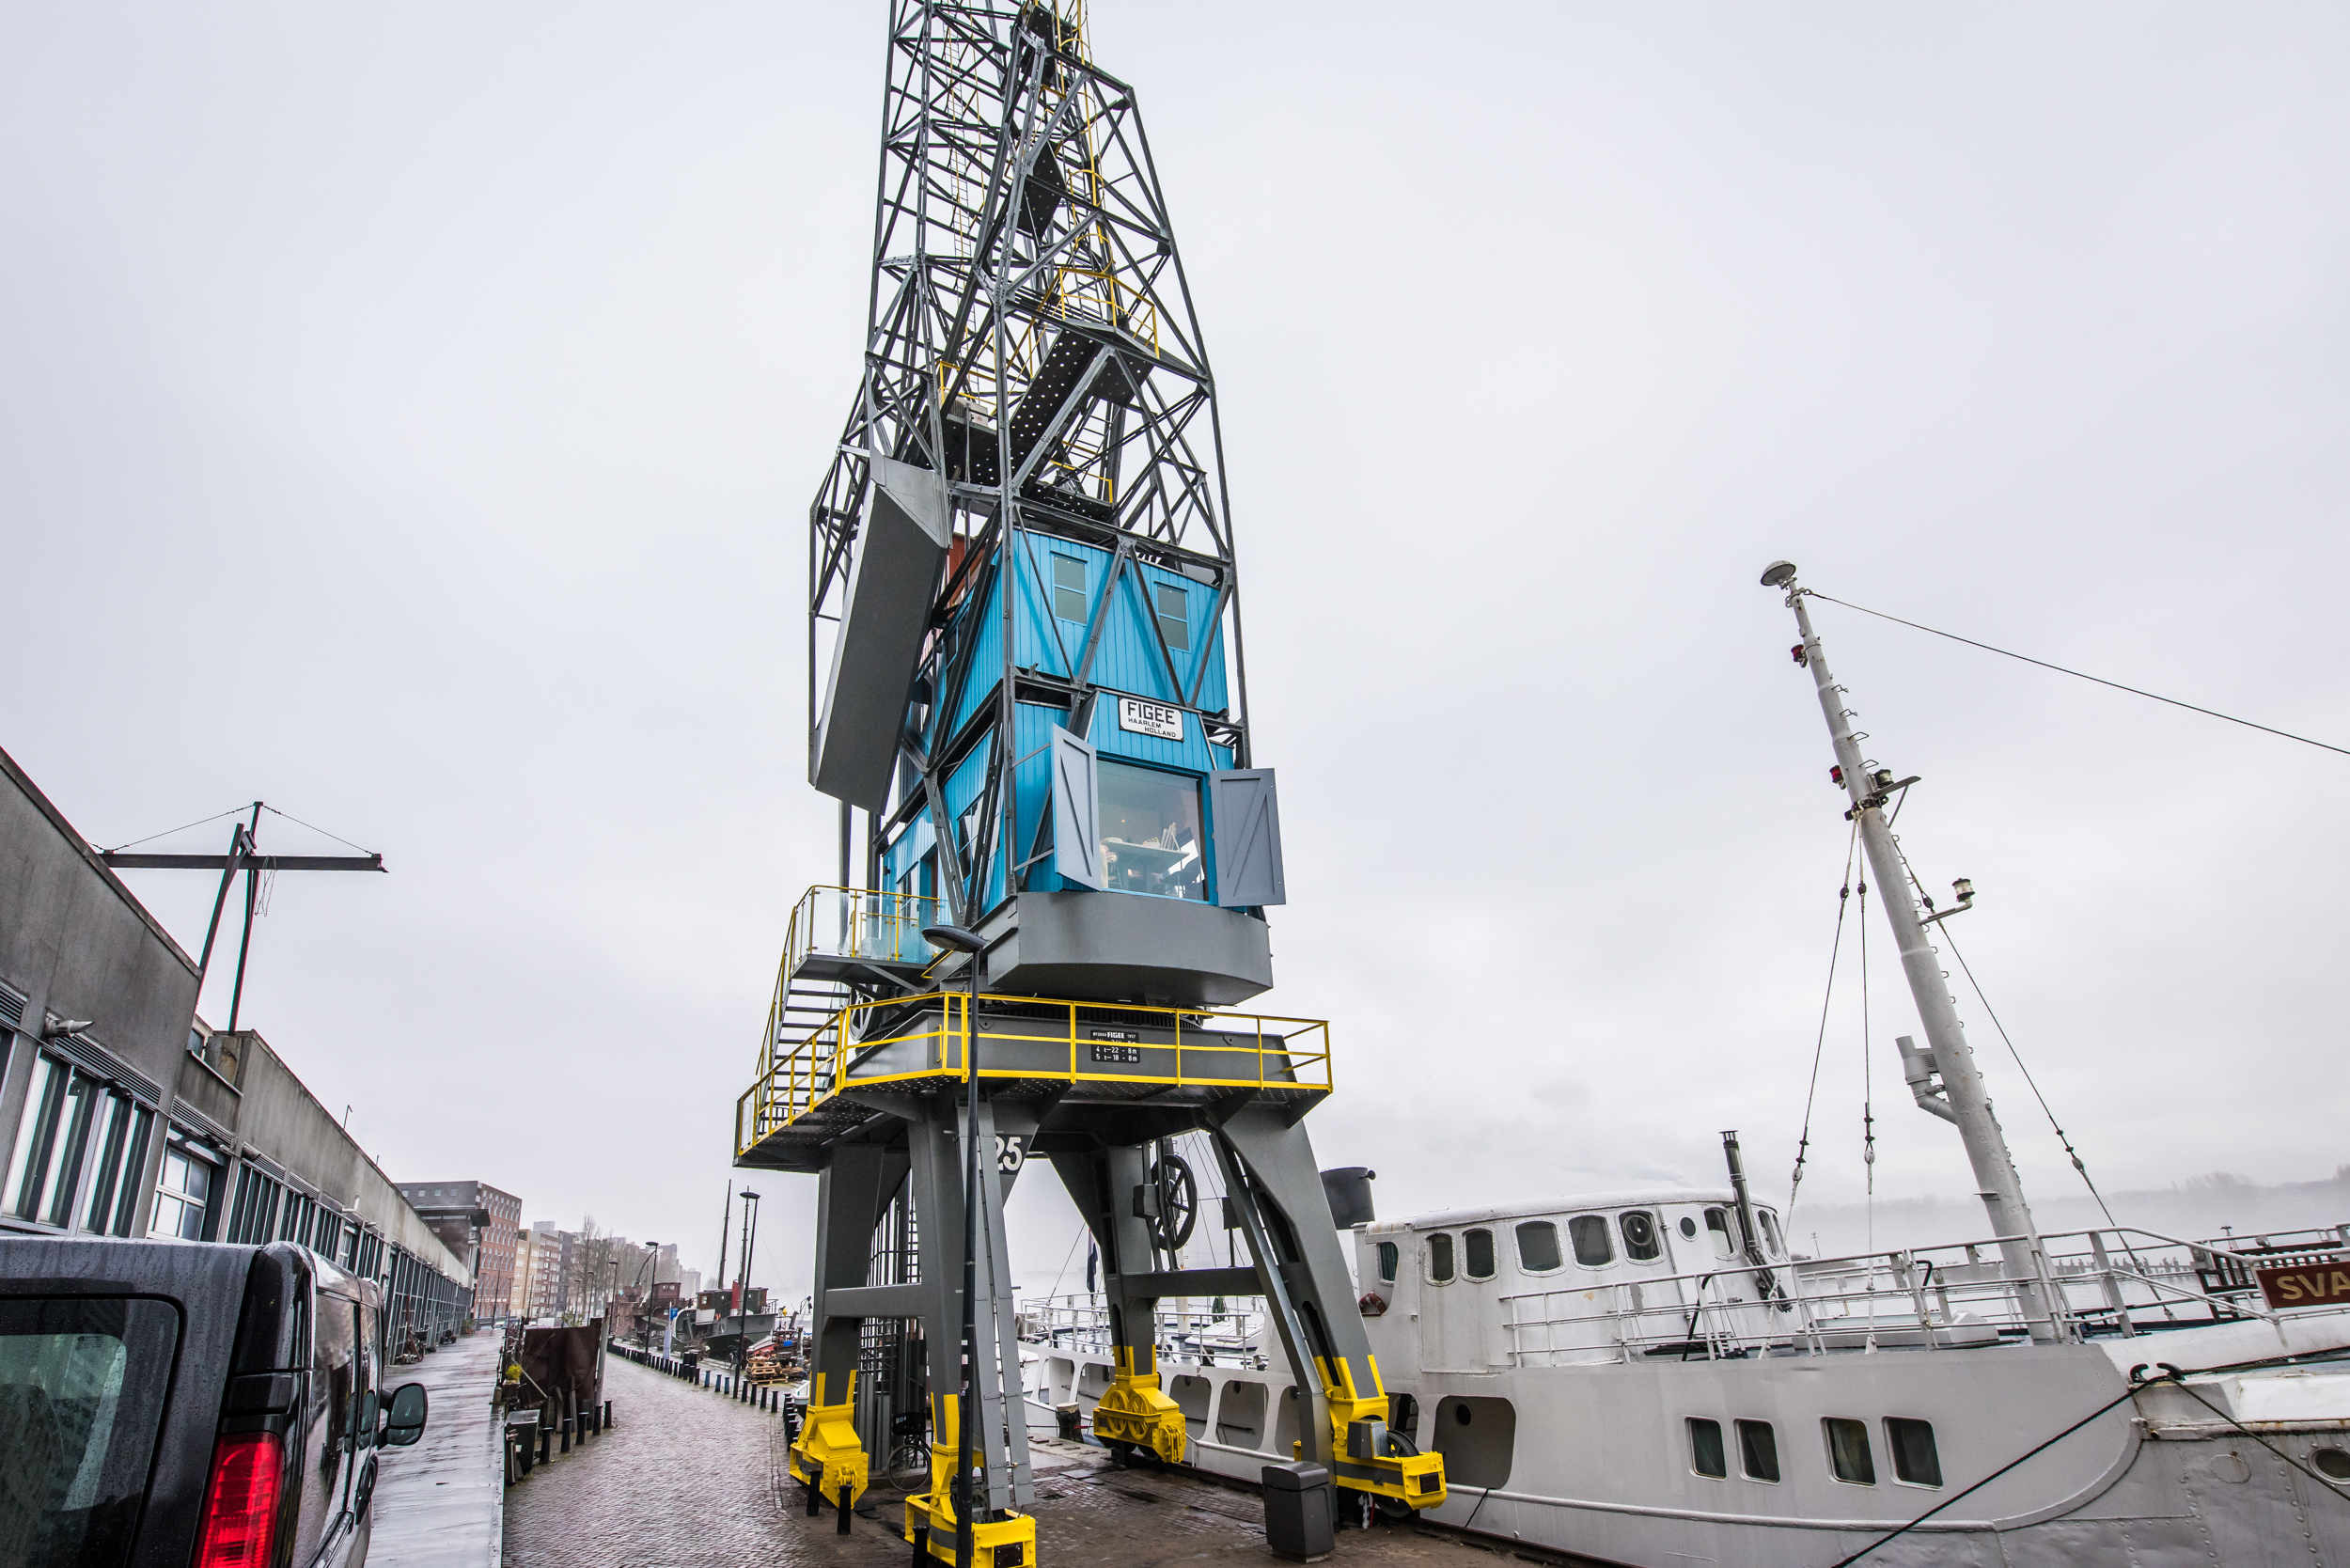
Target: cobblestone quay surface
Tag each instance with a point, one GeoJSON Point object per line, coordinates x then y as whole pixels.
{"type": "Point", "coordinates": [688, 1478]}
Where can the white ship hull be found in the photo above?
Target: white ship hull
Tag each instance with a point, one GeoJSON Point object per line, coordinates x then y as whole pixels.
{"type": "Point", "coordinates": [1592, 1454]}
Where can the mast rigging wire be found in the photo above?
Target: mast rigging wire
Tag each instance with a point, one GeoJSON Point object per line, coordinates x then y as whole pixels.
{"type": "Point", "coordinates": [233, 810]}
{"type": "Point", "coordinates": [1819, 1043]}
{"type": "Point", "coordinates": [2082, 675]}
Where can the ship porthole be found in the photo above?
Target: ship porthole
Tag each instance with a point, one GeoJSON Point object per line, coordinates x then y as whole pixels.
{"type": "Point", "coordinates": [2333, 1463]}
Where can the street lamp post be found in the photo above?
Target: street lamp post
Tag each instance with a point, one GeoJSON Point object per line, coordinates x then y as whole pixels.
{"type": "Point", "coordinates": [742, 1302]}
{"type": "Point", "coordinates": [970, 944]}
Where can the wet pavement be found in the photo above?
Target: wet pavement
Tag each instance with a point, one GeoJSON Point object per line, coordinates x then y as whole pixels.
{"type": "Point", "coordinates": [688, 1478]}
{"type": "Point", "coordinates": [438, 1502]}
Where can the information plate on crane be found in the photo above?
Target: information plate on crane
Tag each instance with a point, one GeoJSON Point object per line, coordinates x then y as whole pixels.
{"type": "Point", "coordinates": [1149, 718]}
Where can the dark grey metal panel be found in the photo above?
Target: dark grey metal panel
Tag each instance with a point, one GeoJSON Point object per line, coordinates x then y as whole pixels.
{"type": "Point", "coordinates": [1130, 947]}
{"type": "Point", "coordinates": [1076, 810]}
{"type": "Point", "coordinates": [900, 549]}
{"type": "Point", "coordinates": [1247, 839]}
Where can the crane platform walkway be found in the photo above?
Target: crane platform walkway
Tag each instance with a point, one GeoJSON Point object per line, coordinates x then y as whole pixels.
{"type": "Point", "coordinates": [822, 1087]}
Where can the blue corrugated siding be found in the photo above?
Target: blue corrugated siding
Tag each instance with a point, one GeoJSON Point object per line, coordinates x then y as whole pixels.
{"type": "Point", "coordinates": [987, 664]}
{"type": "Point", "coordinates": [965, 786]}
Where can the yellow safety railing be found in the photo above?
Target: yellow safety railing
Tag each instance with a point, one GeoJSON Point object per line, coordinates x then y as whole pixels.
{"type": "Point", "coordinates": [1054, 1040]}
{"type": "Point", "coordinates": [858, 922]}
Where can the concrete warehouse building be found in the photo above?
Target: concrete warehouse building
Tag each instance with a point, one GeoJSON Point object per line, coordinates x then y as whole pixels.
{"type": "Point", "coordinates": [122, 1115]}
{"type": "Point", "coordinates": [480, 1223]}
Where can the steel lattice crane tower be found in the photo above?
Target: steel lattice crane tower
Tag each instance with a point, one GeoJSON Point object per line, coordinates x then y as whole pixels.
{"type": "Point", "coordinates": [1026, 690]}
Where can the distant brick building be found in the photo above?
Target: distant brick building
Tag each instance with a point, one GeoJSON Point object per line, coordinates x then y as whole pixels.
{"type": "Point", "coordinates": [476, 1221]}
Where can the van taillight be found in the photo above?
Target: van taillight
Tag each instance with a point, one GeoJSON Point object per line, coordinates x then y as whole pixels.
{"type": "Point", "coordinates": [241, 1505]}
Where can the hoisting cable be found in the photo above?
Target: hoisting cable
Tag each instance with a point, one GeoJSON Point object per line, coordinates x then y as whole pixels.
{"type": "Point", "coordinates": [2212, 712]}
{"type": "Point", "coordinates": [2165, 1373]}
{"type": "Point", "coordinates": [1803, 1144]}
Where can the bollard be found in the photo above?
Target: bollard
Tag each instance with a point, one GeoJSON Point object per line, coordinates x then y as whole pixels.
{"type": "Point", "coordinates": [842, 1529]}
{"type": "Point", "coordinates": [567, 1435]}
{"type": "Point", "coordinates": [815, 1501]}
{"type": "Point", "coordinates": [546, 1443]}
{"type": "Point", "coordinates": [607, 1413]}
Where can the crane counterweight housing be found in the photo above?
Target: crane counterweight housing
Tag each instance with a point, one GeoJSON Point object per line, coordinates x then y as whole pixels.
{"type": "Point", "coordinates": [1027, 690]}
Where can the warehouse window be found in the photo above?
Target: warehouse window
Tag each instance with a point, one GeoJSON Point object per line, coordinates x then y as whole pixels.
{"type": "Point", "coordinates": [1069, 588]}
{"type": "Point", "coordinates": [180, 1194]}
{"type": "Point", "coordinates": [1174, 616]}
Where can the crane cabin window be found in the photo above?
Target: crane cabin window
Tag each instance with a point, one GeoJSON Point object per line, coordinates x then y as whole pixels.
{"type": "Point", "coordinates": [1537, 1246]}
{"type": "Point", "coordinates": [1149, 827]}
{"type": "Point", "coordinates": [1069, 588]}
{"type": "Point", "coordinates": [1477, 1248]}
{"type": "Point", "coordinates": [1440, 1258]}
{"type": "Point", "coordinates": [1174, 609]}
{"type": "Point", "coordinates": [1592, 1249]}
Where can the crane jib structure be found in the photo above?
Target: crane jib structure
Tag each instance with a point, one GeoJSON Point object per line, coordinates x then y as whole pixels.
{"type": "Point", "coordinates": [1026, 691]}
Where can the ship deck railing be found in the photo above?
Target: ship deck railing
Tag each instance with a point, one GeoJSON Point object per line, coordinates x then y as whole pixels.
{"type": "Point", "coordinates": [1080, 1323]}
{"type": "Point", "coordinates": [1117, 1050]}
{"type": "Point", "coordinates": [2081, 1284]}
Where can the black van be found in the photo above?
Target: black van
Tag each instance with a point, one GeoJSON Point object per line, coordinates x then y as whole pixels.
{"type": "Point", "coordinates": [167, 1402]}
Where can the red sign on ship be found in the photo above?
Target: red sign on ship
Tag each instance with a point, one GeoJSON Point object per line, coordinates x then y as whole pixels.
{"type": "Point", "coordinates": [2321, 1284]}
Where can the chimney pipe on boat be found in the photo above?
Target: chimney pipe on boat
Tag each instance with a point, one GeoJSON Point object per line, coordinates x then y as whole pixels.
{"type": "Point", "coordinates": [1970, 1102]}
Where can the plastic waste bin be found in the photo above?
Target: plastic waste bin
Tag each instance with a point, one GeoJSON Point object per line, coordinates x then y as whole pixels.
{"type": "Point", "coordinates": [1297, 1516]}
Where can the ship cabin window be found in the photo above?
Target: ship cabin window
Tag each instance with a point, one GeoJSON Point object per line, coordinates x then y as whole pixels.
{"type": "Point", "coordinates": [1758, 1451]}
{"type": "Point", "coordinates": [1592, 1249]}
{"type": "Point", "coordinates": [1390, 1254]}
{"type": "Point", "coordinates": [1537, 1246]}
{"type": "Point", "coordinates": [1911, 1444]}
{"type": "Point", "coordinates": [1848, 1457]}
{"type": "Point", "coordinates": [1772, 1243]}
{"type": "Point", "coordinates": [1174, 616]}
{"type": "Point", "coordinates": [1705, 1448]}
{"type": "Point", "coordinates": [1151, 837]}
{"type": "Point", "coordinates": [1440, 1258]}
{"type": "Point", "coordinates": [1718, 1232]}
{"type": "Point", "coordinates": [1640, 1242]}
{"type": "Point", "coordinates": [1477, 1248]}
{"type": "Point", "coordinates": [1069, 588]}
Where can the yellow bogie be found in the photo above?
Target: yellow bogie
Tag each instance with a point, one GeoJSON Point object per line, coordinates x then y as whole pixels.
{"type": "Point", "coordinates": [829, 1455]}
{"type": "Point", "coordinates": [1134, 1410]}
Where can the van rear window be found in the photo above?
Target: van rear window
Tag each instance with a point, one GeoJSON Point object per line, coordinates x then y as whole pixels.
{"type": "Point", "coordinates": [82, 1386]}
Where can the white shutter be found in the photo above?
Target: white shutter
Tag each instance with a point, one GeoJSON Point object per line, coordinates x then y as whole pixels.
{"type": "Point", "coordinates": [1076, 812]}
{"type": "Point", "coordinates": [1247, 839]}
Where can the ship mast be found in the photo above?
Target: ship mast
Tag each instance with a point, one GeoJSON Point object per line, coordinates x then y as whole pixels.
{"type": "Point", "coordinates": [1996, 1183]}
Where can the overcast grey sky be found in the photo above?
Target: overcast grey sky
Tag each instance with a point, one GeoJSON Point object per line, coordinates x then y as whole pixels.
{"type": "Point", "coordinates": [408, 416]}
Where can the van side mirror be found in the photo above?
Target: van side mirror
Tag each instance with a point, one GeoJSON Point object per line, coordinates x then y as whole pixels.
{"type": "Point", "coordinates": [404, 1422]}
